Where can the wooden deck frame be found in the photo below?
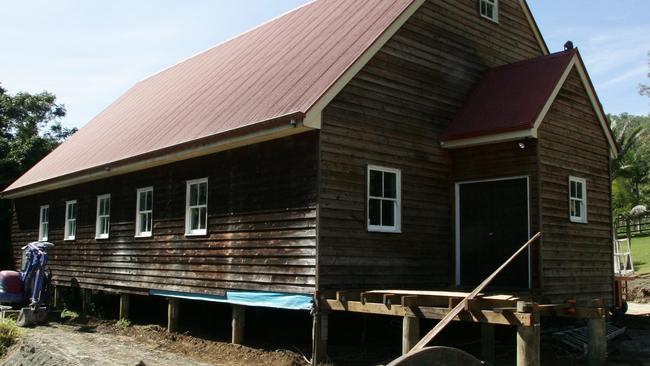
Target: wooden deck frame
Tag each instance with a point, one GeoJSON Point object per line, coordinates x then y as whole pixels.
{"type": "Point", "coordinates": [520, 311]}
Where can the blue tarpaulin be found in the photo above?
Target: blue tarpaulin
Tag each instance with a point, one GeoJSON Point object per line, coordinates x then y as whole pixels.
{"type": "Point", "coordinates": [249, 298]}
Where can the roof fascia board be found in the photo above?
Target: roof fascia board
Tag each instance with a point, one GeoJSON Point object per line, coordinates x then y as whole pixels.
{"type": "Point", "coordinates": [207, 149]}
{"type": "Point", "coordinates": [533, 26]}
{"type": "Point", "coordinates": [591, 93]}
{"type": "Point", "coordinates": [489, 139]}
{"type": "Point", "coordinates": [593, 98]}
{"type": "Point", "coordinates": [554, 93]}
{"type": "Point", "coordinates": [313, 117]}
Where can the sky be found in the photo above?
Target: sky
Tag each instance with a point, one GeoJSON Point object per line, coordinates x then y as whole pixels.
{"type": "Point", "coordinates": [90, 52]}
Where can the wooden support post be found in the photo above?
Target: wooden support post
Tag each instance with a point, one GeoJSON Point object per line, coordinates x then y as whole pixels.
{"type": "Point", "coordinates": [57, 301]}
{"type": "Point", "coordinates": [320, 332]}
{"type": "Point", "coordinates": [487, 343]}
{"type": "Point", "coordinates": [172, 314]}
{"type": "Point", "coordinates": [238, 322]}
{"type": "Point", "coordinates": [85, 301]}
{"type": "Point", "coordinates": [528, 345]}
{"type": "Point", "coordinates": [597, 347]}
{"type": "Point", "coordinates": [125, 306]}
{"type": "Point", "coordinates": [410, 333]}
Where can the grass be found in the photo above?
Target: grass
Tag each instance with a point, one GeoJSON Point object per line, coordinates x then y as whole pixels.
{"type": "Point", "coordinates": [9, 334]}
{"type": "Point", "coordinates": [641, 254]}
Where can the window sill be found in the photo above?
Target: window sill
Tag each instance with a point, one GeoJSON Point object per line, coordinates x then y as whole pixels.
{"type": "Point", "coordinates": [196, 234]}
{"type": "Point", "coordinates": [495, 21]}
{"type": "Point", "coordinates": [101, 237]}
{"type": "Point", "coordinates": [143, 236]}
{"type": "Point", "coordinates": [72, 238]}
{"type": "Point", "coordinates": [384, 230]}
{"type": "Point", "coordinates": [578, 221]}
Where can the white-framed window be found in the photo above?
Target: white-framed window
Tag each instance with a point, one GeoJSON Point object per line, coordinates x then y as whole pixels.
{"type": "Point", "coordinates": [44, 222]}
{"type": "Point", "coordinates": [489, 9]}
{"type": "Point", "coordinates": [144, 212]}
{"type": "Point", "coordinates": [196, 207]}
{"type": "Point", "coordinates": [384, 199]}
{"type": "Point", "coordinates": [70, 229]}
{"type": "Point", "coordinates": [103, 216]}
{"type": "Point", "coordinates": [578, 199]}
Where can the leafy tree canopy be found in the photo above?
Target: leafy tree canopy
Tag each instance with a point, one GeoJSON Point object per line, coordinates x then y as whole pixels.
{"type": "Point", "coordinates": [631, 169]}
{"type": "Point", "coordinates": [29, 130]}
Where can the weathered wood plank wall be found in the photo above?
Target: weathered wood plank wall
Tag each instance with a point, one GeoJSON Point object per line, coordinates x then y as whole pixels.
{"type": "Point", "coordinates": [261, 225]}
{"type": "Point", "coordinates": [576, 258]}
{"type": "Point", "coordinates": [391, 115]}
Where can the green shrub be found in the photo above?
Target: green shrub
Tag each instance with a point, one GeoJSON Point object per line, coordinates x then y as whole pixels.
{"type": "Point", "coordinates": [9, 334]}
{"type": "Point", "coordinates": [69, 314]}
{"type": "Point", "coordinates": [123, 323]}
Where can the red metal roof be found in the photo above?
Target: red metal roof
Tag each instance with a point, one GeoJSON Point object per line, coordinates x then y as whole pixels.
{"type": "Point", "coordinates": [278, 69]}
{"type": "Point", "coordinates": [509, 98]}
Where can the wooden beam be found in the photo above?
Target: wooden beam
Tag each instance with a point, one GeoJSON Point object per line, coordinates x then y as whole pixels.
{"type": "Point", "coordinates": [410, 333]}
{"type": "Point", "coordinates": [458, 308]}
{"type": "Point", "coordinates": [573, 312]}
{"type": "Point", "coordinates": [597, 346]}
{"type": "Point", "coordinates": [487, 343]}
{"type": "Point", "coordinates": [418, 300]}
{"type": "Point", "coordinates": [348, 296]}
{"type": "Point", "coordinates": [238, 323]}
{"type": "Point", "coordinates": [172, 314]}
{"type": "Point", "coordinates": [528, 345]}
{"type": "Point", "coordinates": [125, 306]}
{"type": "Point", "coordinates": [479, 316]}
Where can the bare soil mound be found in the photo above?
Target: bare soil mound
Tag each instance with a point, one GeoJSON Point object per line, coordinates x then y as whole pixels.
{"type": "Point", "coordinates": [103, 343]}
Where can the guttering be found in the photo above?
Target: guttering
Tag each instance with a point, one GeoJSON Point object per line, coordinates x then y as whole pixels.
{"type": "Point", "coordinates": [284, 126]}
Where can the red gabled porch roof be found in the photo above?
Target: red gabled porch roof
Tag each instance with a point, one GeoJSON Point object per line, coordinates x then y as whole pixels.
{"type": "Point", "coordinates": [509, 97]}
{"type": "Point", "coordinates": [512, 100]}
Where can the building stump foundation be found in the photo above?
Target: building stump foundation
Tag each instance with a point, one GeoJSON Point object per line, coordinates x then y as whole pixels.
{"type": "Point", "coordinates": [238, 323]}
{"type": "Point", "coordinates": [172, 314]}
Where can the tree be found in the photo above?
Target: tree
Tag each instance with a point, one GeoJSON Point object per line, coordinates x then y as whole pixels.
{"type": "Point", "coordinates": [643, 88]}
{"type": "Point", "coordinates": [29, 129]}
{"type": "Point", "coordinates": [631, 169]}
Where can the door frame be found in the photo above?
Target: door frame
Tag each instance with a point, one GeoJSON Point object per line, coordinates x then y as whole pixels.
{"type": "Point", "coordinates": [457, 219]}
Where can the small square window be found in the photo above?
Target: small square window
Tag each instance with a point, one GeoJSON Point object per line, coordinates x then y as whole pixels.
{"type": "Point", "coordinates": [578, 200]}
{"type": "Point", "coordinates": [102, 226]}
{"type": "Point", "coordinates": [70, 229]}
{"type": "Point", "coordinates": [489, 9]}
{"type": "Point", "coordinates": [196, 209]}
{"type": "Point", "coordinates": [44, 223]}
{"type": "Point", "coordinates": [384, 199]}
{"type": "Point", "coordinates": [144, 212]}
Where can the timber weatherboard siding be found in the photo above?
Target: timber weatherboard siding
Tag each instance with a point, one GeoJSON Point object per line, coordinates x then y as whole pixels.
{"type": "Point", "coordinates": [391, 115]}
{"type": "Point", "coordinates": [261, 225]}
{"type": "Point", "coordinates": [576, 258]}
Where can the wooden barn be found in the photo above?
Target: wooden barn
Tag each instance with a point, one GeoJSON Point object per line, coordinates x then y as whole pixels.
{"type": "Point", "coordinates": [350, 155]}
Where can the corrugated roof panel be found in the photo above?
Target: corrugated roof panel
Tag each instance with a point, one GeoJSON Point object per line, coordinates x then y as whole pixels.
{"type": "Point", "coordinates": [280, 68]}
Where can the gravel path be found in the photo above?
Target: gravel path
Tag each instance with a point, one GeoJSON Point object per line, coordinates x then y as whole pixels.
{"type": "Point", "coordinates": [65, 345]}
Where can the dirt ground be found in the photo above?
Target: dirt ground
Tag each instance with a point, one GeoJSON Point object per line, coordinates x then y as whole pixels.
{"type": "Point", "coordinates": [639, 289]}
{"type": "Point", "coordinates": [102, 343]}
